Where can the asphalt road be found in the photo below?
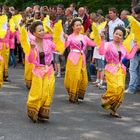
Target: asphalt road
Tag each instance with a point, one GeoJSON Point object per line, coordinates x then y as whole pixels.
{"type": "Point", "coordinates": [83, 121]}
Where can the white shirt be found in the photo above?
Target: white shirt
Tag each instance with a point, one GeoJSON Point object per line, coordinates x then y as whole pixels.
{"type": "Point", "coordinates": [112, 24]}
{"type": "Point", "coordinates": [75, 13]}
{"type": "Point", "coordinates": [97, 55]}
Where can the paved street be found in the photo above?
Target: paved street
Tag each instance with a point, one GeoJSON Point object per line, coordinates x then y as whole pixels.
{"type": "Point", "coordinates": [83, 121]}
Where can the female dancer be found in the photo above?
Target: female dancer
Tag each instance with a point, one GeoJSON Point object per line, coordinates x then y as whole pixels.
{"type": "Point", "coordinates": [28, 67]}
{"type": "Point", "coordinates": [42, 88]}
{"type": "Point", "coordinates": [1, 70]}
{"type": "Point", "coordinates": [76, 74]}
{"type": "Point", "coordinates": [115, 71]}
{"type": "Point", "coordinates": [4, 50]}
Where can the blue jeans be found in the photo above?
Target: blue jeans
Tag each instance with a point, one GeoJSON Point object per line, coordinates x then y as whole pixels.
{"type": "Point", "coordinates": [126, 62]}
{"type": "Point", "coordinates": [88, 62]}
{"type": "Point", "coordinates": [134, 70]}
{"type": "Point", "coordinates": [12, 57]}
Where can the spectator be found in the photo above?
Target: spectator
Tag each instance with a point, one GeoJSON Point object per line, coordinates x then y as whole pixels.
{"type": "Point", "coordinates": [57, 56]}
{"type": "Point", "coordinates": [123, 17]}
{"type": "Point", "coordinates": [36, 8]}
{"type": "Point", "coordinates": [100, 65]}
{"type": "Point", "coordinates": [37, 15]}
{"type": "Point", "coordinates": [114, 22]}
{"type": "Point", "coordinates": [86, 19]}
{"type": "Point", "coordinates": [7, 11]}
{"type": "Point", "coordinates": [69, 18]}
{"type": "Point", "coordinates": [29, 12]}
{"type": "Point", "coordinates": [54, 10]}
{"type": "Point", "coordinates": [12, 10]}
{"type": "Point", "coordinates": [134, 69]}
{"type": "Point", "coordinates": [60, 13]}
{"type": "Point", "coordinates": [73, 7]}
{"type": "Point", "coordinates": [67, 27]}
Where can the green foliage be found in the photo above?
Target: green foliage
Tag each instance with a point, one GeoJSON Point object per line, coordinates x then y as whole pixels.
{"type": "Point", "coordinates": [94, 5]}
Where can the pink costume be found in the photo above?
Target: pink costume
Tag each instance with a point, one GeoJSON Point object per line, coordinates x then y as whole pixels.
{"type": "Point", "coordinates": [1, 58]}
{"type": "Point", "coordinates": [48, 36]}
{"type": "Point", "coordinates": [110, 52]}
{"type": "Point", "coordinates": [4, 52]}
{"type": "Point", "coordinates": [5, 40]}
{"type": "Point", "coordinates": [78, 45]}
{"type": "Point", "coordinates": [17, 36]}
{"type": "Point", "coordinates": [76, 74]}
{"type": "Point", "coordinates": [39, 69]}
{"type": "Point", "coordinates": [12, 40]}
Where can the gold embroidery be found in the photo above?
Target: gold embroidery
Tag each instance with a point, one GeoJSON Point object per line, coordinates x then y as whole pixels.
{"type": "Point", "coordinates": [32, 114]}
{"type": "Point", "coordinates": [44, 112]}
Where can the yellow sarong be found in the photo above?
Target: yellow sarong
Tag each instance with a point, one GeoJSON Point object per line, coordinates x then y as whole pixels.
{"type": "Point", "coordinates": [114, 95]}
{"type": "Point", "coordinates": [28, 73]}
{"type": "Point", "coordinates": [76, 80]}
{"type": "Point", "coordinates": [40, 96]}
{"type": "Point", "coordinates": [1, 73]}
{"type": "Point", "coordinates": [5, 54]}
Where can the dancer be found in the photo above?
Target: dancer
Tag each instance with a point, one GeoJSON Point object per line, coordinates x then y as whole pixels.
{"type": "Point", "coordinates": [4, 49]}
{"type": "Point", "coordinates": [115, 71]}
{"type": "Point", "coordinates": [76, 74]}
{"type": "Point", "coordinates": [28, 67]}
{"type": "Point", "coordinates": [1, 70]}
{"type": "Point", "coordinates": [42, 88]}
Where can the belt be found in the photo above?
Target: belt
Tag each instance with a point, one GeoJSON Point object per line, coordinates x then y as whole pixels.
{"type": "Point", "coordinates": [113, 64]}
{"type": "Point", "coordinates": [44, 67]}
{"type": "Point", "coordinates": [78, 51]}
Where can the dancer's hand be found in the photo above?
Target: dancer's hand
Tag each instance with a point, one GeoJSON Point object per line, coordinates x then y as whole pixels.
{"type": "Point", "coordinates": [32, 43]}
{"type": "Point", "coordinates": [65, 36]}
{"type": "Point", "coordinates": [93, 61]}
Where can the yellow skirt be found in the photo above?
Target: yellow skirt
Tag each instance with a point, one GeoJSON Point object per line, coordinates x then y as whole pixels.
{"type": "Point", "coordinates": [40, 96]}
{"type": "Point", "coordinates": [28, 74]}
{"type": "Point", "coordinates": [1, 73]}
{"type": "Point", "coordinates": [114, 95]}
{"type": "Point", "coordinates": [5, 54]}
{"type": "Point", "coordinates": [76, 80]}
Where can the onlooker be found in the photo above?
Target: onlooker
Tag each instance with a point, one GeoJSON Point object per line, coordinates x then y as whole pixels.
{"type": "Point", "coordinates": [89, 50]}
{"type": "Point", "coordinates": [86, 19]}
{"type": "Point", "coordinates": [12, 10]}
{"type": "Point", "coordinates": [60, 13]}
{"type": "Point", "coordinates": [29, 12]}
{"type": "Point", "coordinates": [134, 69]}
{"type": "Point", "coordinates": [37, 15]}
{"type": "Point", "coordinates": [57, 56]}
{"type": "Point", "coordinates": [69, 18]}
{"type": "Point", "coordinates": [67, 27]}
{"type": "Point", "coordinates": [54, 10]}
{"type": "Point", "coordinates": [100, 65]}
{"type": "Point", "coordinates": [36, 8]}
{"type": "Point", "coordinates": [7, 11]}
{"type": "Point", "coordinates": [73, 7]}
{"type": "Point", "coordinates": [123, 17]}
{"type": "Point", "coordinates": [100, 17]}
{"type": "Point", "coordinates": [114, 22]}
